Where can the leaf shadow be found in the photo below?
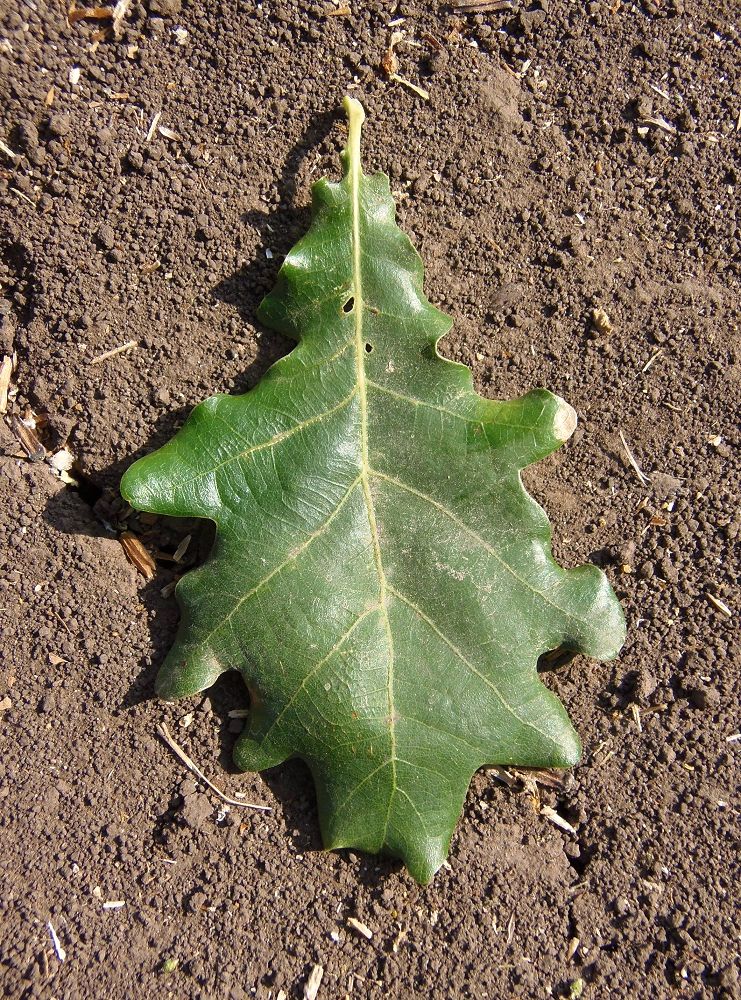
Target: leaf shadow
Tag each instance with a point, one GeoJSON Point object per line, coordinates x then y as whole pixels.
{"type": "Point", "coordinates": [279, 227]}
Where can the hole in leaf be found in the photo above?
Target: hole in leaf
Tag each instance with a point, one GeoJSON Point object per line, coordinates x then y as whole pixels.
{"type": "Point", "coordinates": [369, 348]}
{"type": "Point", "coordinates": [348, 306]}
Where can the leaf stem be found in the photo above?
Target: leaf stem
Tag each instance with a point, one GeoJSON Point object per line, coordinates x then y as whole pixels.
{"type": "Point", "coordinates": [355, 118]}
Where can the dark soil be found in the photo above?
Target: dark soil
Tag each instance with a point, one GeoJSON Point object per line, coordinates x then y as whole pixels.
{"type": "Point", "coordinates": [537, 190]}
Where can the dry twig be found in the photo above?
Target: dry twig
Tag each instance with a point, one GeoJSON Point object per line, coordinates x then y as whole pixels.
{"type": "Point", "coordinates": [164, 733]}
{"type": "Point", "coordinates": [114, 351]}
{"type": "Point", "coordinates": [559, 821]}
{"type": "Point", "coordinates": [58, 949]}
{"type": "Point", "coordinates": [645, 480]}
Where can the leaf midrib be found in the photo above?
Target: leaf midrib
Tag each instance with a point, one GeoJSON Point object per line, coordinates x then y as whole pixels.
{"type": "Point", "coordinates": [355, 173]}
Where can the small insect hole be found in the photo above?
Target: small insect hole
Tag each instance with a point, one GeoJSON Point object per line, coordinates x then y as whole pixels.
{"type": "Point", "coordinates": [348, 306]}
{"type": "Point", "coordinates": [369, 348]}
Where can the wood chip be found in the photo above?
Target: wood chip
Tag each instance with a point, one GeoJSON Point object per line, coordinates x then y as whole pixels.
{"type": "Point", "coordinates": [572, 948]}
{"type": "Point", "coordinates": [312, 984]}
{"type": "Point", "coordinates": [6, 370]}
{"type": "Point", "coordinates": [90, 14]}
{"type": "Point", "coordinates": [164, 733]}
{"type": "Point", "coordinates": [138, 555]}
{"type": "Point", "coordinates": [360, 927]}
{"type": "Point", "coordinates": [28, 438]}
{"type": "Point", "coordinates": [559, 821]}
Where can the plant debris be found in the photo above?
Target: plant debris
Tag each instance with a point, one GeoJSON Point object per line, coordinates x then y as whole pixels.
{"type": "Point", "coordinates": [645, 480]}
{"type": "Point", "coordinates": [138, 555]}
{"type": "Point", "coordinates": [360, 927]}
{"type": "Point", "coordinates": [90, 14]}
{"type": "Point", "coordinates": [311, 987]}
{"type": "Point", "coordinates": [164, 733]}
{"type": "Point", "coordinates": [128, 346]}
{"type": "Point", "coordinates": [559, 821]}
{"type": "Point", "coordinates": [601, 321]}
{"type": "Point", "coordinates": [57, 944]}
{"type": "Point", "coordinates": [6, 371]}
{"type": "Point", "coordinates": [28, 438]}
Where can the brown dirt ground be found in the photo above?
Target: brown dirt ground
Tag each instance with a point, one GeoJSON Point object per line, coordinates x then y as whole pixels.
{"type": "Point", "coordinates": [536, 188]}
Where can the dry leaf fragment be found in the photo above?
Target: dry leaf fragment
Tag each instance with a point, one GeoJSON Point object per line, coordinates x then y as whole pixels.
{"type": "Point", "coordinates": [389, 63]}
{"type": "Point", "coordinates": [153, 126]}
{"type": "Point", "coordinates": [29, 439]}
{"type": "Point", "coordinates": [138, 555]}
{"type": "Point", "coordinates": [660, 122]}
{"type": "Point", "coordinates": [550, 779]}
{"type": "Point", "coordinates": [181, 549]}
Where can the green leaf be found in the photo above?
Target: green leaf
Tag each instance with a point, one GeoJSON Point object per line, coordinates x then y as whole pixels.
{"type": "Point", "coordinates": [380, 576]}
